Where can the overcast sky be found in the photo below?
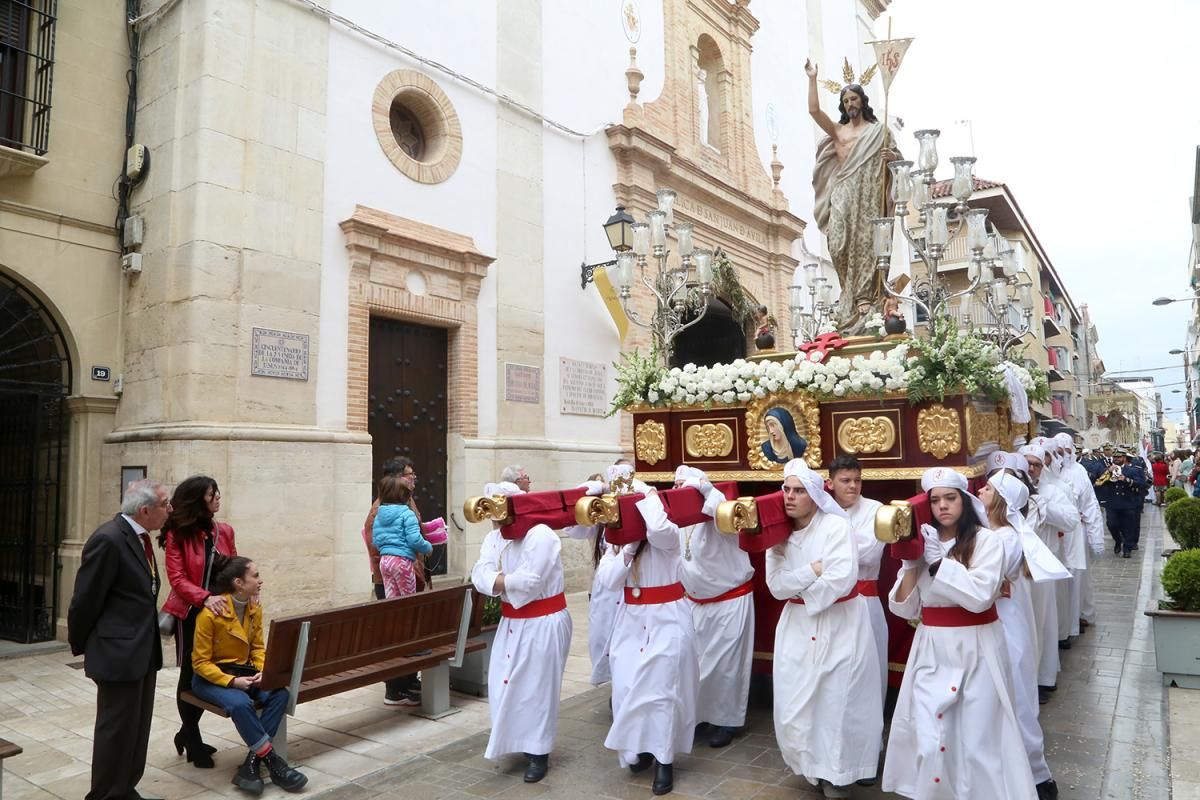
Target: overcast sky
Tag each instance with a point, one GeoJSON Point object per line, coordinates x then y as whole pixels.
{"type": "Point", "coordinates": [1090, 112]}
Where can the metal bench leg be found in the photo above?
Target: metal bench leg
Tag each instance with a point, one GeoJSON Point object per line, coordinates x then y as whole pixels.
{"type": "Point", "coordinates": [279, 740]}
{"type": "Point", "coordinates": [435, 693]}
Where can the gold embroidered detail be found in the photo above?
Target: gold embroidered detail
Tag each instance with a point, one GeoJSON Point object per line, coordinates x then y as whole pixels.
{"type": "Point", "coordinates": [650, 442]}
{"type": "Point", "coordinates": [938, 431]}
{"type": "Point", "coordinates": [710, 440]}
{"type": "Point", "coordinates": [867, 435]}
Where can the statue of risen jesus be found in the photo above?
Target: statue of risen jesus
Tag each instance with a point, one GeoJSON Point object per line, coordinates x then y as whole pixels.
{"type": "Point", "coordinates": [849, 186]}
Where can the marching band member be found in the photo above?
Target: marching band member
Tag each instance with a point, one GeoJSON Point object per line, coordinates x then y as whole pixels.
{"type": "Point", "coordinates": [1051, 512]}
{"type": "Point", "coordinates": [954, 732]}
{"type": "Point", "coordinates": [828, 718]}
{"type": "Point", "coordinates": [530, 650]}
{"type": "Point", "coordinates": [845, 477]}
{"type": "Point", "coordinates": [718, 578]}
{"type": "Point", "coordinates": [655, 671]}
{"type": "Point", "coordinates": [1005, 496]}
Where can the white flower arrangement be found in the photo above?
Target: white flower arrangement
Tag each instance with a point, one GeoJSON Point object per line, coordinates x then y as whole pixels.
{"type": "Point", "coordinates": [874, 325]}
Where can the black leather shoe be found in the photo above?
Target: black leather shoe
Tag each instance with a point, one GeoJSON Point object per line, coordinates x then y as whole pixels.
{"type": "Point", "coordinates": [537, 768]}
{"type": "Point", "coordinates": [1043, 695]}
{"type": "Point", "coordinates": [719, 736]}
{"type": "Point", "coordinates": [644, 762]}
{"type": "Point", "coordinates": [1047, 790]}
{"type": "Point", "coordinates": [1125, 554]}
{"type": "Point", "coordinates": [248, 778]}
{"type": "Point", "coordinates": [1117, 549]}
{"type": "Point", "coordinates": [664, 779]}
{"type": "Point", "coordinates": [283, 776]}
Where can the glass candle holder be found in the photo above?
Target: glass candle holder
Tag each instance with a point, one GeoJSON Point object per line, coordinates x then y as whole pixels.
{"type": "Point", "coordinates": [1026, 295]}
{"type": "Point", "coordinates": [704, 265]}
{"type": "Point", "coordinates": [882, 235]}
{"type": "Point", "coordinates": [683, 238]}
{"type": "Point", "coordinates": [641, 238]}
{"type": "Point", "coordinates": [977, 234]}
{"type": "Point", "coordinates": [927, 158]}
{"type": "Point", "coordinates": [999, 293]}
{"type": "Point", "coordinates": [902, 182]}
{"type": "Point", "coordinates": [658, 229]}
{"type": "Point", "coordinates": [920, 195]}
{"type": "Point", "coordinates": [963, 184]}
{"type": "Point", "coordinates": [666, 204]}
{"type": "Point", "coordinates": [625, 262]}
{"type": "Point", "coordinates": [938, 232]}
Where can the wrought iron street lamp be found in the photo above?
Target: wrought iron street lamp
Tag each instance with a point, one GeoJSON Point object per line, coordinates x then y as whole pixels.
{"type": "Point", "coordinates": [619, 230]}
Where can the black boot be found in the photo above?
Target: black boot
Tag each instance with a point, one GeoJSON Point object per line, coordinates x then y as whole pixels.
{"type": "Point", "coordinates": [1047, 790]}
{"type": "Point", "coordinates": [720, 736]}
{"type": "Point", "coordinates": [645, 760]}
{"type": "Point", "coordinates": [247, 777]}
{"type": "Point", "coordinates": [664, 779]}
{"type": "Point", "coordinates": [282, 775]}
{"type": "Point", "coordinates": [537, 768]}
{"type": "Point", "coordinates": [199, 754]}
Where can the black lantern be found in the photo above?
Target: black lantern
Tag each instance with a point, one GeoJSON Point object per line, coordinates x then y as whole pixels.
{"type": "Point", "coordinates": [619, 230]}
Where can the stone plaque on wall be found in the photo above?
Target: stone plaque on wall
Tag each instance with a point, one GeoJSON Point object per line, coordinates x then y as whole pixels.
{"type": "Point", "coordinates": [522, 383]}
{"type": "Point", "coordinates": [279, 354]}
{"type": "Point", "coordinates": [581, 387]}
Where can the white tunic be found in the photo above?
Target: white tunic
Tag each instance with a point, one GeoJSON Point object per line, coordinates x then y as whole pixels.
{"type": "Point", "coordinates": [870, 554]}
{"type": "Point", "coordinates": [603, 601]}
{"type": "Point", "coordinates": [1050, 511]}
{"type": "Point", "coordinates": [655, 670]}
{"type": "Point", "coordinates": [828, 716]}
{"type": "Point", "coordinates": [954, 732]}
{"type": "Point", "coordinates": [1016, 616]}
{"type": "Point", "coordinates": [528, 655]}
{"type": "Point", "coordinates": [724, 630]}
{"type": "Point", "coordinates": [1089, 534]}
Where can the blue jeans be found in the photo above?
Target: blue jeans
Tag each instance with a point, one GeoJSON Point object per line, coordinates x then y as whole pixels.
{"type": "Point", "coordinates": [255, 729]}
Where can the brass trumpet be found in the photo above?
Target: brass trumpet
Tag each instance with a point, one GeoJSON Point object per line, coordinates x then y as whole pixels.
{"type": "Point", "coordinates": [1111, 473]}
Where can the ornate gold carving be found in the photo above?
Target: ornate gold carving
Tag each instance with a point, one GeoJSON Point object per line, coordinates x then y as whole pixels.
{"type": "Point", "coordinates": [650, 442]}
{"type": "Point", "coordinates": [867, 435]}
{"type": "Point", "coordinates": [480, 509]}
{"type": "Point", "coordinates": [806, 415]}
{"type": "Point", "coordinates": [1004, 432]}
{"type": "Point", "coordinates": [737, 515]}
{"type": "Point", "coordinates": [894, 522]}
{"type": "Point", "coordinates": [765, 476]}
{"type": "Point", "coordinates": [938, 431]}
{"type": "Point", "coordinates": [602, 510]}
{"type": "Point", "coordinates": [710, 440]}
{"type": "Point", "coordinates": [982, 427]}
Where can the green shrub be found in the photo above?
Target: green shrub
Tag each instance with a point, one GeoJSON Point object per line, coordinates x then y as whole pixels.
{"type": "Point", "coordinates": [1181, 580]}
{"type": "Point", "coordinates": [1174, 493]}
{"type": "Point", "coordinates": [1183, 521]}
{"type": "Point", "coordinates": [491, 611]}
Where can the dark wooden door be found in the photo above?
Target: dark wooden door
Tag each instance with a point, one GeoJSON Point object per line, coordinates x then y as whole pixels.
{"type": "Point", "coordinates": [406, 386]}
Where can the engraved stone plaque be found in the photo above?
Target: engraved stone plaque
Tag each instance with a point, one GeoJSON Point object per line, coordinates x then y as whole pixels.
{"type": "Point", "coordinates": [279, 354]}
{"type": "Point", "coordinates": [581, 387]}
{"type": "Point", "coordinates": [522, 383]}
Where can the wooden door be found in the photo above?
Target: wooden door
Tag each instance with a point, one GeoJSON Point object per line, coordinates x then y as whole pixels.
{"type": "Point", "coordinates": [406, 387]}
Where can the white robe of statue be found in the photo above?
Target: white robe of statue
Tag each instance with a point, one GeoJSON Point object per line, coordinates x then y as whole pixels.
{"type": "Point", "coordinates": [528, 655]}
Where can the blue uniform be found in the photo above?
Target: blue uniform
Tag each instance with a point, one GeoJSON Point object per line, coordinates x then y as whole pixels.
{"type": "Point", "coordinates": [1123, 506]}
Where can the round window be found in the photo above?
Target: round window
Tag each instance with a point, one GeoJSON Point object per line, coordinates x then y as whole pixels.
{"type": "Point", "coordinates": [417, 126]}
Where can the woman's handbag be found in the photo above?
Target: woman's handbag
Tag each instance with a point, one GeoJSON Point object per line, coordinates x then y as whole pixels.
{"type": "Point", "coordinates": [167, 623]}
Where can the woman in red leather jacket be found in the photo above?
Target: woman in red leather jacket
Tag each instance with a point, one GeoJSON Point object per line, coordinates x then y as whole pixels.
{"type": "Point", "coordinates": [191, 537]}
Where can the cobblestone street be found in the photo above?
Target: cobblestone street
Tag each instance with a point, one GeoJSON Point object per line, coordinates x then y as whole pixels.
{"type": "Point", "coordinates": [1106, 729]}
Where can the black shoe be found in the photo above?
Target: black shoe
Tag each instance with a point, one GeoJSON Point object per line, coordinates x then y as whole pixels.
{"type": "Point", "coordinates": [1125, 554]}
{"type": "Point", "coordinates": [1043, 695]}
{"type": "Point", "coordinates": [719, 736]}
{"type": "Point", "coordinates": [1117, 548]}
{"type": "Point", "coordinates": [536, 770]}
{"type": "Point", "coordinates": [1064, 644]}
{"type": "Point", "coordinates": [867, 781]}
{"type": "Point", "coordinates": [199, 754]}
{"type": "Point", "coordinates": [282, 775]}
{"type": "Point", "coordinates": [644, 762]}
{"type": "Point", "coordinates": [1047, 790]}
{"type": "Point", "coordinates": [247, 778]}
{"type": "Point", "coordinates": [664, 779]}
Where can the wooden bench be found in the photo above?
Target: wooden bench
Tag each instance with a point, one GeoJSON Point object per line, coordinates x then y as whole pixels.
{"type": "Point", "coordinates": [7, 749]}
{"type": "Point", "coordinates": [329, 652]}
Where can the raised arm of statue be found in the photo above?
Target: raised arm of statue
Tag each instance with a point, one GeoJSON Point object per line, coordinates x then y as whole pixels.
{"type": "Point", "coordinates": [814, 102]}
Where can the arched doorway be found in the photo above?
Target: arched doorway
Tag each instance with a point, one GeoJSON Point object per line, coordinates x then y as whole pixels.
{"type": "Point", "coordinates": [715, 339]}
{"type": "Point", "coordinates": [35, 379]}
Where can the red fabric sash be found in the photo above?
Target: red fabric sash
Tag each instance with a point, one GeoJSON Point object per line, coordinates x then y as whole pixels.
{"type": "Point", "coordinates": [868, 588]}
{"type": "Point", "coordinates": [850, 596]}
{"type": "Point", "coordinates": [956, 617]}
{"type": "Point", "coordinates": [738, 591]}
{"type": "Point", "coordinates": [538, 608]}
{"type": "Point", "coordinates": [653, 595]}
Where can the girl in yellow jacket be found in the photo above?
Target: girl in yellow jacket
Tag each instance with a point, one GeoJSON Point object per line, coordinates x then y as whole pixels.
{"type": "Point", "coordinates": [227, 659]}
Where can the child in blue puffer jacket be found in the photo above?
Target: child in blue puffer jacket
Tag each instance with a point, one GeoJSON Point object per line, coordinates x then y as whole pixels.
{"type": "Point", "coordinates": [396, 534]}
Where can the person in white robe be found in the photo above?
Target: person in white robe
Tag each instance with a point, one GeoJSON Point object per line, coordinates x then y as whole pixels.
{"type": "Point", "coordinates": [1006, 496]}
{"type": "Point", "coordinates": [954, 732]}
{"type": "Point", "coordinates": [530, 650]}
{"type": "Point", "coordinates": [1051, 511]}
{"type": "Point", "coordinates": [828, 717]}
{"type": "Point", "coordinates": [718, 578]}
{"type": "Point", "coordinates": [652, 654]}
{"type": "Point", "coordinates": [845, 479]}
{"type": "Point", "coordinates": [1090, 535]}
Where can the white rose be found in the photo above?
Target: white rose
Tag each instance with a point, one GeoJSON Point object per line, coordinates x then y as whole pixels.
{"type": "Point", "coordinates": [839, 390]}
{"type": "Point", "coordinates": [744, 396]}
{"type": "Point", "coordinates": [653, 396]}
{"type": "Point", "coordinates": [728, 397]}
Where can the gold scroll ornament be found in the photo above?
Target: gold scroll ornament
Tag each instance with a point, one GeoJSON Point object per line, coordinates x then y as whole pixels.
{"type": "Point", "coordinates": [938, 431]}
{"type": "Point", "coordinates": [600, 510]}
{"type": "Point", "coordinates": [650, 442]}
{"type": "Point", "coordinates": [479, 509]}
{"type": "Point", "coordinates": [894, 522]}
{"type": "Point", "coordinates": [737, 515]}
{"type": "Point", "coordinates": [710, 440]}
{"type": "Point", "coordinates": [982, 427]}
{"type": "Point", "coordinates": [867, 435]}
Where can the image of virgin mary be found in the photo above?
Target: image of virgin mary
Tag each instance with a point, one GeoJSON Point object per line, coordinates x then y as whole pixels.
{"type": "Point", "coordinates": [782, 443]}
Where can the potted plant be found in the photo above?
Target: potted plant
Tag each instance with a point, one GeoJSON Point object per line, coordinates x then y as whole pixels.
{"type": "Point", "coordinates": [472, 676]}
{"type": "Point", "coordinates": [1177, 619]}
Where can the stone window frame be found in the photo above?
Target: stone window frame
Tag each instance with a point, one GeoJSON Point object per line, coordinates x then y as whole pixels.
{"type": "Point", "coordinates": [438, 119]}
{"type": "Point", "coordinates": [384, 251]}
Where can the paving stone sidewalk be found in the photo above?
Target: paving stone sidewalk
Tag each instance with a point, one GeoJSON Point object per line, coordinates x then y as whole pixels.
{"type": "Point", "coordinates": [1106, 729]}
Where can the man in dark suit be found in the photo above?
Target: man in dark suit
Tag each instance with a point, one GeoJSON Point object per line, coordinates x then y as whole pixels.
{"type": "Point", "coordinates": [113, 623]}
